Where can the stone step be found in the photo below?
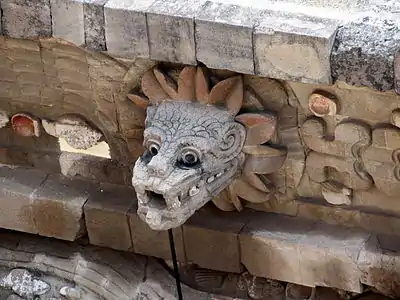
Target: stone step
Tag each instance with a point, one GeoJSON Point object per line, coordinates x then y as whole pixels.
{"type": "Point", "coordinates": [279, 247]}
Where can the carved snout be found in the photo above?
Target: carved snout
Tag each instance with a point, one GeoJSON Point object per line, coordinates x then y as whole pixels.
{"type": "Point", "coordinates": [159, 166]}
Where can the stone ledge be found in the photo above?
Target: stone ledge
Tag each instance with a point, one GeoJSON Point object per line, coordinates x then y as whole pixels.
{"type": "Point", "coordinates": [49, 205]}
{"type": "Point", "coordinates": [290, 249]}
{"type": "Point", "coordinates": [280, 40]}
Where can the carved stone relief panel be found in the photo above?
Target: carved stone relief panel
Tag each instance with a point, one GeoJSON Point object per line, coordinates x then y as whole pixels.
{"type": "Point", "coordinates": [212, 136]}
{"type": "Point", "coordinates": [299, 141]}
{"type": "Point", "coordinates": [353, 138]}
{"type": "Point", "coordinates": [250, 141]}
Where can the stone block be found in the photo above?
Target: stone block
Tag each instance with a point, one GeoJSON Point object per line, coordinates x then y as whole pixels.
{"type": "Point", "coordinates": [80, 22]}
{"type": "Point", "coordinates": [380, 268]}
{"type": "Point", "coordinates": [212, 240]}
{"type": "Point", "coordinates": [224, 36]}
{"type": "Point", "coordinates": [17, 186]}
{"type": "Point", "coordinates": [90, 167]}
{"type": "Point", "coordinates": [269, 247]}
{"type": "Point", "coordinates": [328, 257]}
{"type": "Point", "coordinates": [94, 26]}
{"type": "Point", "coordinates": [126, 28]}
{"type": "Point", "coordinates": [106, 216]}
{"type": "Point", "coordinates": [338, 215]}
{"type": "Point", "coordinates": [294, 47]}
{"type": "Point", "coordinates": [171, 30]}
{"type": "Point", "coordinates": [356, 58]}
{"type": "Point", "coordinates": [58, 207]}
{"type": "Point", "coordinates": [26, 19]}
{"type": "Point", "coordinates": [68, 21]}
{"type": "Point", "coordinates": [154, 243]}
{"type": "Point", "coordinates": [303, 252]}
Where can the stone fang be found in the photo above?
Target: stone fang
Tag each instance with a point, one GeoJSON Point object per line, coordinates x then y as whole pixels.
{"type": "Point", "coordinates": [194, 191]}
{"type": "Point", "coordinates": [210, 179]}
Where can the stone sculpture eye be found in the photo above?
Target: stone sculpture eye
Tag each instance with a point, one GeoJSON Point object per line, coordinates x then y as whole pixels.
{"type": "Point", "coordinates": [153, 148]}
{"type": "Point", "coordinates": [189, 158]}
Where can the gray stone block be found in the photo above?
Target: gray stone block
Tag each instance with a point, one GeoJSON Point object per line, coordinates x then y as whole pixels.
{"type": "Point", "coordinates": [58, 207]}
{"type": "Point", "coordinates": [68, 21]}
{"type": "Point", "coordinates": [171, 30]}
{"type": "Point", "coordinates": [126, 27]}
{"type": "Point", "coordinates": [294, 47]}
{"type": "Point", "coordinates": [94, 24]}
{"type": "Point", "coordinates": [224, 36]}
{"type": "Point", "coordinates": [26, 19]}
{"type": "Point", "coordinates": [363, 53]}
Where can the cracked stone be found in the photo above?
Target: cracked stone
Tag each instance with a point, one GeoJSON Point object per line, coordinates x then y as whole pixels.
{"type": "Point", "coordinates": [23, 283]}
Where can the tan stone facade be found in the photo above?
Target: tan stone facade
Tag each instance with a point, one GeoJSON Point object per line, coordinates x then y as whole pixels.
{"type": "Point", "coordinates": [320, 215]}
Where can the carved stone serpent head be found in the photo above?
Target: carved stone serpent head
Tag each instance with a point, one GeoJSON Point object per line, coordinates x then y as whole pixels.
{"type": "Point", "coordinates": [193, 144]}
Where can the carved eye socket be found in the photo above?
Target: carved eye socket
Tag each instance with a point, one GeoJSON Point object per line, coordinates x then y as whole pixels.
{"type": "Point", "coordinates": [153, 148]}
{"type": "Point", "coordinates": [189, 158]}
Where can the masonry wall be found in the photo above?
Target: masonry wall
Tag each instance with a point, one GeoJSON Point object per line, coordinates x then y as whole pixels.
{"type": "Point", "coordinates": [59, 57]}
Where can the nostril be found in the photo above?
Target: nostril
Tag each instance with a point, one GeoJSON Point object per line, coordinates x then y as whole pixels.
{"type": "Point", "coordinates": [151, 171]}
{"type": "Point", "coordinates": [156, 171]}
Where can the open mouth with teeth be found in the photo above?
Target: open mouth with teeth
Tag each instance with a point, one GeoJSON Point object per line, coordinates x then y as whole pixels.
{"type": "Point", "coordinates": [171, 208]}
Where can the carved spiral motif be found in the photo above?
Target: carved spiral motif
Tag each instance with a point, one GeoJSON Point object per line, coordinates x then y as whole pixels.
{"type": "Point", "coordinates": [228, 142]}
{"type": "Point", "coordinates": [233, 141]}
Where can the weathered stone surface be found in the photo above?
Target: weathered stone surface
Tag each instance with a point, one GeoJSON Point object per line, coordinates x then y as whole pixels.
{"type": "Point", "coordinates": [90, 167]}
{"type": "Point", "coordinates": [296, 292]}
{"type": "Point", "coordinates": [17, 188]}
{"type": "Point", "coordinates": [294, 47]}
{"type": "Point", "coordinates": [380, 268]}
{"type": "Point", "coordinates": [126, 29]}
{"type": "Point", "coordinates": [336, 215]}
{"type": "Point", "coordinates": [68, 20]}
{"type": "Point", "coordinates": [106, 217]}
{"type": "Point", "coordinates": [160, 285]}
{"type": "Point", "coordinates": [58, 207]}
{"type": "Point", "coordinates": [154, 243]}
{"type": "Point", "coordinates": [76, 132]}
{"type": "Point", "coordinates": [397, 71]}
{"type": "Point", "coordinates": [363, 53]}
{"type": "Point", "coordinates": [174, 41]}
{"type": "Point", "coordinates": [211, 240]}
{"type": "Point", "coordinates": [224, 36]}
{"type": "Point", "coordinates": [269, 247]}
{"type": "Point", "coordinates": [97, 273]}
{"type": "Point", "coordinates": [329, 257]}
{"type": "Point", "coordinates": [302, 252]}
{"type": "Point", "coordinates": [26, 19]}
{"type": "Point", "coordinates": [23, 283]}
{"type": "Point", "coordinates": [94, 24]}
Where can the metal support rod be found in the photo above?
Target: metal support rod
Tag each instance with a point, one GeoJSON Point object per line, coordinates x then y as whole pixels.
{"type": "Point", "coordinates": [175, 262]}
